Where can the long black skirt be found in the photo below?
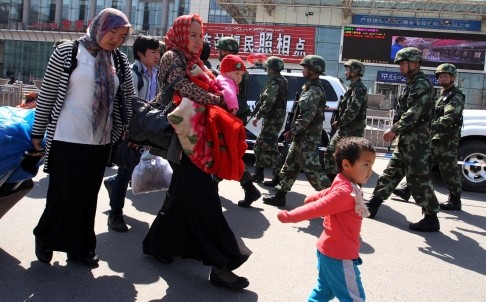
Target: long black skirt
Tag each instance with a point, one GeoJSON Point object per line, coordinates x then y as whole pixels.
{"type": "Point", "coordinates": [191, 223]}
{"type": "Point", "coordinates": [75, 176]}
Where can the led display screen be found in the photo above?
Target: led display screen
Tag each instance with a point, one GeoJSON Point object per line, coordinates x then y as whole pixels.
{"type": "Point", "coordinates": [376, 45]}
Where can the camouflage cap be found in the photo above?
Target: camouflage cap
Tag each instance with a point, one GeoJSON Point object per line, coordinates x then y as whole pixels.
{"type": "Point", "coordinates": [355, 66]}
{"type": "Point", "coordinates": [59, 42]}
{"type": "Point", "coordinates": [410, 54]}
{"type": "Point", "coordinates": [446, 68]}
{"type": "Point", "coordinates": [314, 62]}
{"type": "Point", "coordinates": [274, 63]}
{"type": "Point", "coordinates": [228, 43]}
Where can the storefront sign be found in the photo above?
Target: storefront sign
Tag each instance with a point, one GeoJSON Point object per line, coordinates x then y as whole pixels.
{"type": "Point", "coordinates": [291, 44]}
{"type": "Point", "coordinates": [66, 25]}
{"type": "Point", "coordinates": [398, 78]}
{"type": "Point", "coordinates": [423, 23]}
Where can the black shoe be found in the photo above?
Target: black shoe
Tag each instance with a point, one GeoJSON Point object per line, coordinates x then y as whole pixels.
{"type": "Point", "coordinates": [453, 204]}
{"type": "Point", "coordinates": [251, 194]}
{"type": "Point", "coordinates": [258, 176]}
{"type": "Point", "coordinates": [117, 223]}
{"type": "Point", "coordinates": [43, 254]}
{"type": "Point", "coordinates": [89, 259]}
{"type": "Point", "coordinates": [403, 192]}
{"type": "Point", "coordinates": [278, 200]}
{"type": "Point", "coordinates": [373, 205]}
{"type": "Point", "coordinates": [108, 184]}
{"type": "Point", "coordinates": [430, 223]}
{"type": "Point", "coordinates": [271, 183]}
{"type": "Point", "coordinates": [240, 283]}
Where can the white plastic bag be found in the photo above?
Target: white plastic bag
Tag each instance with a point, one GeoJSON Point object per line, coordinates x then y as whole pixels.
{"type": "Point", "coordinates": [152, 174]}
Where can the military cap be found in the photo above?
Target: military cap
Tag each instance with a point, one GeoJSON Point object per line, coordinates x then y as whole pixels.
{"type": "Point", "coordinates": [355, 66]}
{"type": "Point", "coordinates": [228, 43]}
{"type": "Point", "coordinates": [274, 63]}
{"type": "Point", "coordinates": [446, 68]}
{"type": "Point", "coordinates": [315, 63]}
{"type": "Point", "coordinates": [410, 54]}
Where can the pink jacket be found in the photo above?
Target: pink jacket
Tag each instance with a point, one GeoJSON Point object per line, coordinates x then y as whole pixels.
{"type": "Point", "coordinates": [230, 91]}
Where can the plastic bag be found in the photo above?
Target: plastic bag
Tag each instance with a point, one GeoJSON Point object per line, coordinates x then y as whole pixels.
{"type": "Point", "coordinates": [15, 128]}
{"type": "Point", "coordinates": [152, 174]}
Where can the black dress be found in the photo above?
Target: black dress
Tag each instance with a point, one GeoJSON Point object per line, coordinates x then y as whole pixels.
{"type": "Point", "coordinates": [191, 223]}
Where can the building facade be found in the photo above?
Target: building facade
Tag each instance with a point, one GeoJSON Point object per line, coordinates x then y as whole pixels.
{"type": "Point", "coordinates": [28, 29]}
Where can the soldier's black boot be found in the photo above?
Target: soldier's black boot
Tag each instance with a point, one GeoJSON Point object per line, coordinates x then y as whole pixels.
{"type": "Point", "coordinates": [430, 223]}
{"type": "Point", "coordinates": [373, 205]}
{"type": "Point", "coordinates": [258, 176]}
{"type": "Point", "coordinates": [277, 200]}
{"type": "Point", "coordinates": [403, 192]}
{"type": "Point", "coordinates": [453, 204]}
{"type": "Point", "coordinates": [251, 194]}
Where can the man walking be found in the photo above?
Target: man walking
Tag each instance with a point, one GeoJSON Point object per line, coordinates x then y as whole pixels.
{"type": "Point", "coordinates": [305, 134]}
{"type": "Point", "coordinates": [446, 134]}
{"type": "Point", "coordinates": [351, 116]}
{"type": "Point", "coordinates": [410, 158]}
{"type": "Point", "coordinates": [271, 108]}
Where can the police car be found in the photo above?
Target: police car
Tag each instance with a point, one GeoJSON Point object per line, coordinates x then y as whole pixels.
{"type": "Point", "coordinates": [334, 89]}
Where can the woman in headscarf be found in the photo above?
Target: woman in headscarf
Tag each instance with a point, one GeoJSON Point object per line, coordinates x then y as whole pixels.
{"type": "Point", "coordinates": [191, 223]}
{"type": "Point", "coordinates": [79, 112]}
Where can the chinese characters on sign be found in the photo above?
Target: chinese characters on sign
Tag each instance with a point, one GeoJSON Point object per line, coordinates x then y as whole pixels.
{"type": "Point", "coordinates": [66, 25]}
{"type": "Point", "coordinates": [397, 77]}
{"type": "Point", "coordinates": [423, 23]}
{"type": "Point", "coordinates": [289, 43]}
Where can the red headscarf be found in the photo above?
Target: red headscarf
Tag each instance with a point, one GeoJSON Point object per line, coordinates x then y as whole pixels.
{"type": "Point", "coordinates": [178, 37]}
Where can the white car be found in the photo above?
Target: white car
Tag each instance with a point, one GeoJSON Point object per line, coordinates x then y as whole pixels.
{"type": "Point", "coordinates": [334, 89]}
{"type": "Point", "coordinates": [472, 151]}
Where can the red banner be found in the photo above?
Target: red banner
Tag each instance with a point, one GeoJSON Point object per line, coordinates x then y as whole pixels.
{"type": "Point", "coordinates": [291, 44]}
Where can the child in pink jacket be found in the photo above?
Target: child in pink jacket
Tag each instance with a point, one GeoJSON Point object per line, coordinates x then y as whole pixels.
{"type": "Point", "coordinates": [343, 209]}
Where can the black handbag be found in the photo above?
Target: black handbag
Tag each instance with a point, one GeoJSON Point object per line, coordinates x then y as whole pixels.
{"type": "Point", "coordinates": [149, 124]}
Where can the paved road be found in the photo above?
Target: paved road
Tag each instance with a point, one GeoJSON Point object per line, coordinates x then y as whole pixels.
{"type": "Point", "coordinates": [398, 265]}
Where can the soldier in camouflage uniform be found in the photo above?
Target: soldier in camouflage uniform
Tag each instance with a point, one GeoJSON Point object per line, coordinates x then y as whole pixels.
{"type": "Point", "coordinates": [305, 134]}
{"type": "Point", "coordinates": [410, 158]}
{"type": "Point", "coordinates": [271, 107]}
{"type": "Point", "coordinates": [226, 46]}
{"type": "Point", "coordinates": [351, 115]}
{"type": "Point", "coordinates": [446, 133]}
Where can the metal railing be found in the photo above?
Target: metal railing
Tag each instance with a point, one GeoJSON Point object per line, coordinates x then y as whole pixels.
{"type": "Point", "coordinates": [13, 94]}
{"type": "Point", "coordinates": [376, 125]}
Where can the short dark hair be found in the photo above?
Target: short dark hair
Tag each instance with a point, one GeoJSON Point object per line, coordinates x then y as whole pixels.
{"type": "Point", "coordinates": [400, 39]}
{"type": "Point", "coordinates": [206, 51]}
{"type": "Point", "coordinates": [142, 43]}
{"type": "Point", "coordinates": [350, 148]}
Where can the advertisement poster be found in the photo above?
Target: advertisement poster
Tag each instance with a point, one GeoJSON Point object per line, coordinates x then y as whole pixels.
{"type": "Point", "coordinates": [290, 43]}
{"type": "Point", "coordinates": [375, 45]}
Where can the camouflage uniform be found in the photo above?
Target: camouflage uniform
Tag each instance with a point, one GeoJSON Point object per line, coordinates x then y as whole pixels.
{"type": "Point", "coordinates": [446, 133]}
{"type": "Point", "coordinates": [272, 109]}
{"type": "Point", "coordinates": [306, 132]}
{"type": "Point", "coordinates": [351, 120]}
{"type": "Point", "coordinates": [410, 158]}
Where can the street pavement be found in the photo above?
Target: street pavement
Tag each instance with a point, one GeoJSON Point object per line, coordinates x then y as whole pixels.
{"type": "Point", "coordinates": [398, 265]}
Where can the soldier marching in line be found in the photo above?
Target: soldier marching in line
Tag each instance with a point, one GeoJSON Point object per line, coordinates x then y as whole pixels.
{"type": "Point", "coordinates": [410, 158]}
{"type": "Point", "coordinates": [226, 46]}
{"type": "Point", "coordinates": [305, 134]}
{"type": "Point", "coordinates": [446, 134]}
{"type": "Point", "coordinates": [271, 107]}
{"type": "Point", "coordinates": [351, 114]}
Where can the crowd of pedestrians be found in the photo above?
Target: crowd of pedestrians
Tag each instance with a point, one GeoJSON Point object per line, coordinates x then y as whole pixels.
{"type": "Point", "coordinates": [79, 111]}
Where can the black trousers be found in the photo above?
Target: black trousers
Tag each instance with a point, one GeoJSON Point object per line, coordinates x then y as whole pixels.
{"type": "Point", "coordinates": [75, 175]}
